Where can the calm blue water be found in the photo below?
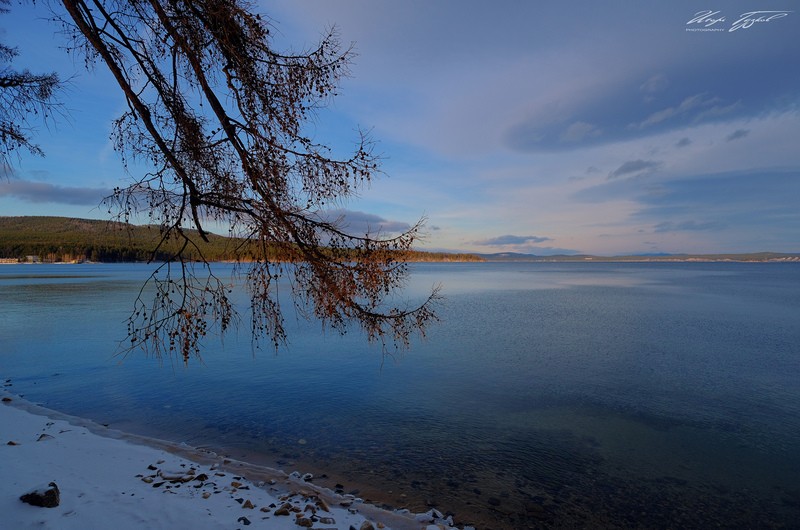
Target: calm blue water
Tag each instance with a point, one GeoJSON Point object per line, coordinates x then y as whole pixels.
{"type": "Point", "coordinates": [550, 395]}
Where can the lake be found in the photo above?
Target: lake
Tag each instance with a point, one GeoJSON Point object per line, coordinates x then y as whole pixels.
{"type": "Point", "coordinates": [550, 395]}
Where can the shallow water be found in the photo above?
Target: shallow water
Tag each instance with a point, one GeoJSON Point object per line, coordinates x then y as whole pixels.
{"type": "Point", "coordinates": [550, 395]}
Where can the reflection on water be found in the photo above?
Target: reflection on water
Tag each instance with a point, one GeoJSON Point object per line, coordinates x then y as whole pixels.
{"type": "Point", "coordinates": [551, 395]}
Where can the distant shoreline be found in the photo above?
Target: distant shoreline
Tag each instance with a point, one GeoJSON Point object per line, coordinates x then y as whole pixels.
{"type": "Point", "coordinates": [789, 258]}
{"type": "Point", "coordinates": [45, 239]}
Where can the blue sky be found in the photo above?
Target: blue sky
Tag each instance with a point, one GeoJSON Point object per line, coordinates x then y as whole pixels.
{"type": "Point", "coordinates": [541, 127]}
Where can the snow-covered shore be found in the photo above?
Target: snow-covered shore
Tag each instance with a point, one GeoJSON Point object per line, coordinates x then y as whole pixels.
{"type": "Point", "coordinates": [109, 479]}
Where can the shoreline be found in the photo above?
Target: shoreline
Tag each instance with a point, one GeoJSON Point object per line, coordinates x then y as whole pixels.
{"type": "Point", "coordinates": [110, 477]}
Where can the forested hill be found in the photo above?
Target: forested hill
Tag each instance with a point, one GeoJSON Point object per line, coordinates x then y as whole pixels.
{"type": "Point", "coordinates": [64, 239]}
{"type": "Point", "coordinates": [68, 239]}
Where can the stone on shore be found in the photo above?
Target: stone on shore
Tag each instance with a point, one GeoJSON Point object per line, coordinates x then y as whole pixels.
{"type": "Point", "coordinates": [44, 496]}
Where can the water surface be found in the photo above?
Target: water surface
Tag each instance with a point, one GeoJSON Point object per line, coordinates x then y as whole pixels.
{"type": "Point", "coordinates": [550, 395]}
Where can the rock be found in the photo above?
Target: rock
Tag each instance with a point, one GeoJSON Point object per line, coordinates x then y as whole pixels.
{"type": "Point", "coordinates": [308, 477]}
{"type": "Point", "coordinates": [286, 509]}
{"type": "Point", "coordinates": [304, 522]}
{"type": "Point", "coordinates": [176, 476]}
{"type": "Point", "coordinates": [43, 437]}
{"type": "Point", "coordinates": [248, 505]}
{"type": "Point", "coordinates": [322, 505]}
{"type": "Point", "coordinates": [7, 400]}
{"type": "Point", "coordinates": [244, 520]}
{"type": "Point", "coordinates": [11, 442]}
{"type": "Point", "coordinates": [327, 520]}
{"type": "Point", "coordinates": [45, 497]}
{"type": "Point", "coordinates": [147, 480]}
{"type": "Point", "coordinates": [366, 525]}
{"type": "Point", "coordinates": [206, 494]}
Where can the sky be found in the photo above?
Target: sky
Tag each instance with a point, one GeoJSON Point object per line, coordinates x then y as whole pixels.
{"type": "Point", "coordinates": [541, 127]}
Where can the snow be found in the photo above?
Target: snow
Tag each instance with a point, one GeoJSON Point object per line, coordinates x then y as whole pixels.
{"type": "Point", "coordinates": [108, 479]}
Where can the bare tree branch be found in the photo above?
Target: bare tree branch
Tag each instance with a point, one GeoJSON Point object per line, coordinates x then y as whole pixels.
{"type": "Point", "coordinates": [219, 116]}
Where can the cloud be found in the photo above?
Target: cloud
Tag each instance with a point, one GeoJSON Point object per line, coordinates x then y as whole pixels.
{"type": "Point", "coordinates": [683, 142]}
{"type": "Point", "coordinates": [735, 135]}
{"type": "Point", "coordinates": [635, 166]}
{"type": "Point", "coordinates": [43, 192]}
{"type": "Point", "coordinates": [738, 207]}
{"type": "Point", "coordinates": [625, 105]}
{"type": "Point", "coordinates": [358, 223]}
{"type": "Point", "coordinates": [511, 240]}
{"type": "Point", "coordinates": [548, 90]}
{"type": "Point", "coordinates": [704, 104]}
{"type": "Point", "coordinates": [684, 226]}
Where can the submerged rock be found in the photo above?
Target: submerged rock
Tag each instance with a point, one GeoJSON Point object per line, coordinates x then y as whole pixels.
{"type": "Point", "coordinates": [45, 497]}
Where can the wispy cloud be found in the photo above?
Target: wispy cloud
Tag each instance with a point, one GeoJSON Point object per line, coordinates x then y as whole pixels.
{"type": "Point", "coordinates": [43, 192]}
{"type": "Point", "coordinates": [695, 109]}
{"type": "Point", "coordinates": [635, 167]}
{"type": "Point", "coordinates": [684, 226]}
{"type": "Point", "coordinates": [735, 135]}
